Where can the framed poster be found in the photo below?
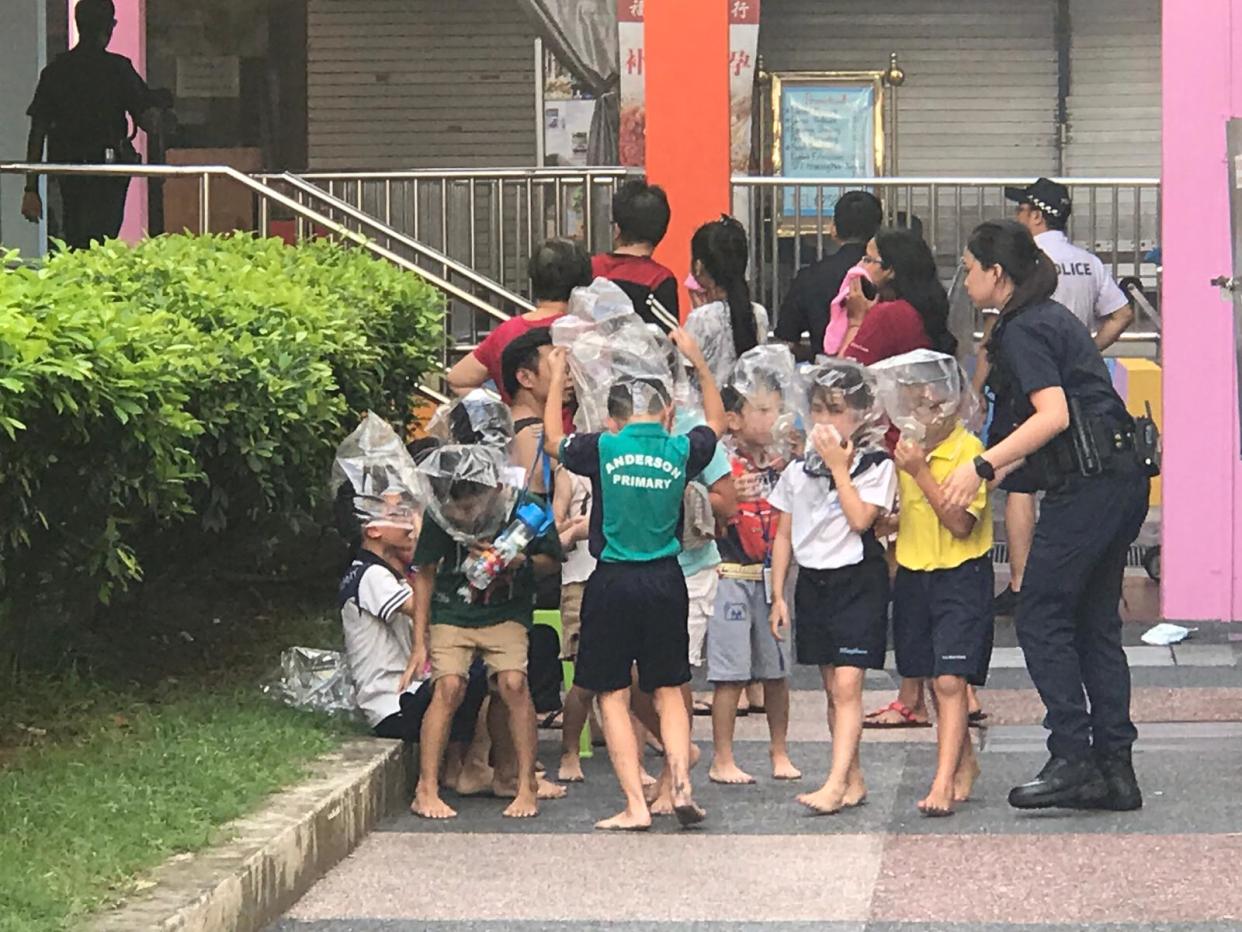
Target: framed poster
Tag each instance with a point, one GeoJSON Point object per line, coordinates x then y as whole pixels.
{"type": "Point", "coordinates": [825, 125]}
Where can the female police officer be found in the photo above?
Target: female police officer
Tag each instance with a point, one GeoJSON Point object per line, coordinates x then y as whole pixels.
{"type": "Point", "coordinates": [1073, 432]}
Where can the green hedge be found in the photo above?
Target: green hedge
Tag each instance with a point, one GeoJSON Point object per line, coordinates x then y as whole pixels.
{"type": "Point", "coordinates": [153, 397]}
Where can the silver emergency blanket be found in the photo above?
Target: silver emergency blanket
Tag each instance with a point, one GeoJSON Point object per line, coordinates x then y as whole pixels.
{"type": "Point", "coordinates": [479, 417]}
{"type": "Point", "coordinates": [315, 681]}
{"type": "Point", "coordinates": [612, 354]}
{"type": "Point", "coordinates": [768, 374]}
{"type": "Point", "coordinates": [923, 389]}
{"type": "Point", "coordinates": [373, 468]}
{"type": "Point", "coordinates": [471, 489]}
{"type": "Point", "coordinates": [848, 391]}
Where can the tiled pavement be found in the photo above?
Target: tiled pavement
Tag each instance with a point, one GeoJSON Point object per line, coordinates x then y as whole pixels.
{"type": "Point", "coordinates": [760, 863]}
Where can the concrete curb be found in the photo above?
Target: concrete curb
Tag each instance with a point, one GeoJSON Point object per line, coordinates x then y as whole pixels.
{"type": "Point", "coordinates": [273, 856]}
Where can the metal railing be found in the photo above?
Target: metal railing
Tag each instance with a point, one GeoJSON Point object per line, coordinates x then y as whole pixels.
{"type": "Point", "coordinates": [469, 232]}
{"type": "Point", "coordinates": [487, 219]}
{"type": "Point", "coordinates": [466, 322]}
{"type": "Point", "coordinates": [490, 219]}
{"type": "Point", "coordinates": [267, 198]}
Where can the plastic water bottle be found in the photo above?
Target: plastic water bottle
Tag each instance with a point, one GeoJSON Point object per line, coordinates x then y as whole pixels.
{"type": "Point", "coordinates": [529, 522]}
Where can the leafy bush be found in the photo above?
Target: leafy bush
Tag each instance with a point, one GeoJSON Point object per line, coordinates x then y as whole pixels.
{"type": "Point", "coordinates": [152, 396]}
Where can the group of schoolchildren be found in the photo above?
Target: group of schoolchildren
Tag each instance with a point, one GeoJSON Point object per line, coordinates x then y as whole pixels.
{"type": "Point", "coordinates": [725, 534]}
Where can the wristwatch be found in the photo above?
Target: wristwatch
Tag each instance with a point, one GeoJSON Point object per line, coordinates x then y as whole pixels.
{"type": "Point", "coordinates": [984, 470]}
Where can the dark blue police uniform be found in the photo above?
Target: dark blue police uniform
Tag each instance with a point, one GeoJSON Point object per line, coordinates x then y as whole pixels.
{"type": "Point", "coordinates": [1067, 618]}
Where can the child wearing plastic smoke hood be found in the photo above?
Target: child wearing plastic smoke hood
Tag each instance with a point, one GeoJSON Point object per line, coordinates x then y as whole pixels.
{"type": "Point", "coordinates": [382, 498]}
{"type": "Point", "coordinates": [635, 606]}
{"type": "Point", "coordinates": [758, 402]}
{"type": "Point", "coordinates": [828, 504]}
{"type": "Point", "coordinates": [942, 595]}
{"type": "Point", "coordinates": [473, 496]}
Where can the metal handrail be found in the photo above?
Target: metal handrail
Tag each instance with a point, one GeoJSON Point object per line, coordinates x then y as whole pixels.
{"type": "Point", "coordinates": [763, 181]}
{"type": "Point", "coordinates": [465, 174]}
{"type": "Point", "coordinates": [433, 255]}
{"type": "Point", "coordinates": [206, 172]}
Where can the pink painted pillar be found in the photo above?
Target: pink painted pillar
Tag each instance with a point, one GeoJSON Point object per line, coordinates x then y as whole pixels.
{"type": "Point", "coordinates": [1202, 545]}
{"type": "Point", "coordinates": [130, 40]}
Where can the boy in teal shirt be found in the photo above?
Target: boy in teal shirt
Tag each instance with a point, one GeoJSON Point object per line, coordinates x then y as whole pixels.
{"type": "Point", "coordinates": [635, 606]}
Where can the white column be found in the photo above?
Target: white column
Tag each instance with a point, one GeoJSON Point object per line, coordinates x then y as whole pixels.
{"type": "Point", "coordinates": [23, 53]}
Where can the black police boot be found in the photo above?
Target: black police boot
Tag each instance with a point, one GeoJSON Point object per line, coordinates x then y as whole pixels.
{"type": "Point", "coordinates": [1063, 784]}
{"type": "Point", "coordinates": [1124, 794]}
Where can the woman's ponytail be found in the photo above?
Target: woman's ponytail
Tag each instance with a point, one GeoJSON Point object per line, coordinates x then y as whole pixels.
{"type": "Point", "coordinates": [722, 248]}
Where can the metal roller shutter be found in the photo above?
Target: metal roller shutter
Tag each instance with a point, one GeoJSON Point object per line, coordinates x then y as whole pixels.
{"type": "Point", "coordinates": [1114, 100]}
{"type": "Point", "coordinates": [981, 88]}
{"type": "Point", "coordinates": [398, 84]}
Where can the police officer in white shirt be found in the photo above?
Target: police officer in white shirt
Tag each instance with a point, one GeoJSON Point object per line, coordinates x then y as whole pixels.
{"type": "Point", "coordinates": [1088, 290]}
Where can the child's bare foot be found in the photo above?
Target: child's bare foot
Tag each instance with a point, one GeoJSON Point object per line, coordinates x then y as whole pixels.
{"type": "Point", "coordinates": [728, 773]}
{"type": "Point", "coordinates": [684, 807]}
{"type": "Point", "coordinates": [570, 770]}
{"type": "Point", "coordinates": [783, 768]}
{"type": "Point", "coordinates": [545, 790]}
{"type": "Point", "coordinates": [429, 805]}
{"type": "Point", "coordinates": [938, 802]}
{"type": "Point", "coordinates": [964, 780]}
{"type": "Point", "coordinates": [829, 799]}
{"type": "Point", "coordinates": [473, 780]}
{"type": "Point", "coordinates": [625, 821]}
{"type": "Point", "coordinates": [648, 779]}
{"type": "Point", "coordinates": [662, 805]}
{"type": "Point", "coordinates": [695, 755]}
{"type": "Point", "coordinates": [548, 790]}
{"type": "Point", "coordinates": [524, 806]}
{"type": "Point", "coordinates": [855, 794]}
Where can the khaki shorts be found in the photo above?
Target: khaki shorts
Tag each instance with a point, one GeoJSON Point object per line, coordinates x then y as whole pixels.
{"type": "Point", "coordinates": [571, 618]}
{"type": "Point", "coordinates": [452, 648]}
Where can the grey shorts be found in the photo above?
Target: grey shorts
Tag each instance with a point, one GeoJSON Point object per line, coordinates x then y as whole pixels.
{"type": "Point", "coordinates": [740, 645]}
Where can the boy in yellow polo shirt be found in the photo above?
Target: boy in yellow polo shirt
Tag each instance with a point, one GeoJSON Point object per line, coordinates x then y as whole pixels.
{"type": "Point", "coordinates": [942, 595]}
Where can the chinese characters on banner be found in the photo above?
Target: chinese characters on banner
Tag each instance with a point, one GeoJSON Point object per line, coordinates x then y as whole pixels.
{"type": "Point", "coordinates": [633, 133]}
{"type": "Point", "coordinates": [743, 51]}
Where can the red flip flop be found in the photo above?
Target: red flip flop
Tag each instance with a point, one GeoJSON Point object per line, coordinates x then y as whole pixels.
{"type": "Point", "coordinates": [908, 719]}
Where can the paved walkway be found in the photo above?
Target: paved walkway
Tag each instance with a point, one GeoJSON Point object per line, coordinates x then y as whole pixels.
{"type": "Point", "coordinates": [762, 863]}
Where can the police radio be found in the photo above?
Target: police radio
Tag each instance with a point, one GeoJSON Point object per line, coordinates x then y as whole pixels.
{"type": "Point", "coordinates": [1147, 443]}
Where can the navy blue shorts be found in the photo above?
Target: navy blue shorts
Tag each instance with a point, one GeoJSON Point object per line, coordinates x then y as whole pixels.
{"type": "Point", "coordinates": [634, 613]}
{"type": "Point", "coordinates": [1021, 480]}
{"type": "Point", "coordinates": [839, 615]}
{"type": "Point", "coordinates": [942, 621]}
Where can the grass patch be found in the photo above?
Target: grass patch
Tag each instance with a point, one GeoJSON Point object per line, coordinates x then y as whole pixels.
{"type": "Point", "coordinates": [108, 767]}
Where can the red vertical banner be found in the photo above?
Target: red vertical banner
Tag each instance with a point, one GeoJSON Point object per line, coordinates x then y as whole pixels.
{"type": "Point", "coordinates": [686, 43]}
{"type": "Point", "coordinates": [743, 55]}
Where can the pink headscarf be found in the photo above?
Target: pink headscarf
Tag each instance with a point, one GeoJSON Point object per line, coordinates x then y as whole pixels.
{"type": "Point", "coordinates": [838, 318]}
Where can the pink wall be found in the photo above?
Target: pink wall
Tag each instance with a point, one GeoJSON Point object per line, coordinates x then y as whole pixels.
{"type": "Point", "coordinates": [130, 40]}
{"type": "Point", "coordinates": [1202, 559]}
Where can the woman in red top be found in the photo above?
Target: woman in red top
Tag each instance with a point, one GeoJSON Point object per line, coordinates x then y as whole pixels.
{"type": "Point", "coordinates": [911, 313]}
{"type": "Point", "coordinates": [912, 310]}
{"type": "Point", "coordinates": [556, 269]}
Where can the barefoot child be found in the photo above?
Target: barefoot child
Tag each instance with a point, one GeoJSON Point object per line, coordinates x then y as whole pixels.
{"type": "Point", "coordinates": [740, 645]}
{"type": "Point", "coordinates": [380, 512]}
{"type": "Point", "coordinates": [942, 595]}
{"type": "Point", "coordinates": [635, 606]}
{"type": "Point", "coordinates": [827, 504]}
{"type": "Point", "coordinates": [453, 622]}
